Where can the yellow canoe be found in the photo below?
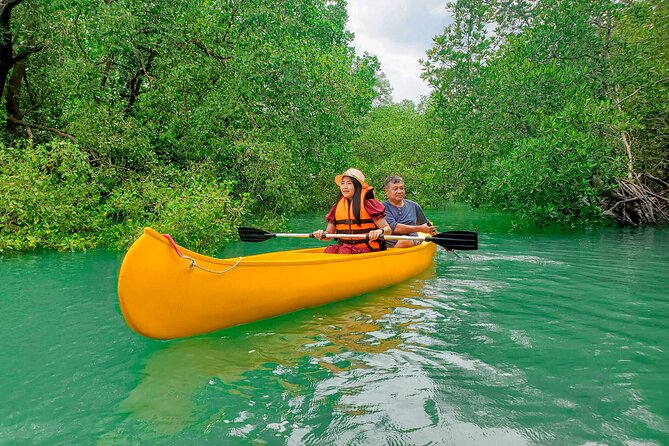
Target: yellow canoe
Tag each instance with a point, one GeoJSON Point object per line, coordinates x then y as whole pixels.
{"type": "Point", "coordinates": [166, 291]}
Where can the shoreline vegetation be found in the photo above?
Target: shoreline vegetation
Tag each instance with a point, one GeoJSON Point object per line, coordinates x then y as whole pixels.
{"type": "Point", "coordinates": [195, 117]}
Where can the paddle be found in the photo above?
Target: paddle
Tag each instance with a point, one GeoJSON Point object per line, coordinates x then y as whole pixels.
{"type": "Point", "coordinates": [463, 240]}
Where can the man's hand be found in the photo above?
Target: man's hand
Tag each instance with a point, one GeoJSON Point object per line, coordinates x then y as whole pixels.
{"type": "Point", "coordinates": [425, 227]}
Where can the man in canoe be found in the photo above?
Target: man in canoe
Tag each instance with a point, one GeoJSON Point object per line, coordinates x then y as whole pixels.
{"type": "Point", "coordinates": [355, 212]}
{"type": "Point", "coordinates": [405, 217]}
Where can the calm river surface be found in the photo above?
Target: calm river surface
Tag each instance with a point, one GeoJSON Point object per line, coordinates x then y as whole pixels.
{"type": "Point", "coordinates": [538, 338]}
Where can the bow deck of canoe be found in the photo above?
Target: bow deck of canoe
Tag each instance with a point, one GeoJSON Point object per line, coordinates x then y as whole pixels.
{"type": "Point", "coordinates": [166, 291]}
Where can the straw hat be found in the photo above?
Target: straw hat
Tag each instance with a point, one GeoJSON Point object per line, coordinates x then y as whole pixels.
{"type": "Point", "coordinates": [353, 173]}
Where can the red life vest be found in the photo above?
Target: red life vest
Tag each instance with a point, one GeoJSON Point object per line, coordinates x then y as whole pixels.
{"type": "Point", "coordinates": [345, 223]}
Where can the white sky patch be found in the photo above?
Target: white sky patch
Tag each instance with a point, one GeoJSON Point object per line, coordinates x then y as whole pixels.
{"type": "Point", "coordinates": [398, 32]}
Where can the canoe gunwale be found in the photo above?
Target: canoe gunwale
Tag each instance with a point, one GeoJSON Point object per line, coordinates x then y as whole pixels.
{"type": "Point", "coordinates": [251, 262]}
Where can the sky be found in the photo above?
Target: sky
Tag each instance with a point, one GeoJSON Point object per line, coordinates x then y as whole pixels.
{"type": "Point", "coordinates": [398, 32]}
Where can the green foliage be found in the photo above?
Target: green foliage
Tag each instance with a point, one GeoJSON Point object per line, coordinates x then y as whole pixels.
{"type": "Point", "coordinates": [48, 198]}
{"type": "Point", "coordinates": [189, 204]}
{"type": "Point", "coordinates": [641, 81]}
{"type": "Point", "coordinates": [53, 198]}
{"type": "Point", "coordinates": [527, 95]}
{"type": "Point", "coordinates": [261, 99]}
{"type": "Point", "coordinates": [191, 116]}
{"type": "Point", "coordinates": [398, 140]}
{"type": "Point", "coordinates": [269, 173]}
{"type": "Point", "coordinates": [560, 175]}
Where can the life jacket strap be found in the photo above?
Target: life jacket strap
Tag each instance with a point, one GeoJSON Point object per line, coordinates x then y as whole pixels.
{"type": "Point", "coordinates": [353, 222]}
{"type": "Point", "coordinates": [354, 231]}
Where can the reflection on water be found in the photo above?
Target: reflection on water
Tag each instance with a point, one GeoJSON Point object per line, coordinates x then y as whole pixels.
{"type": "Point", "coordinates": [347, 366]}
{"type": "Point", "coordinates": [336, 338]}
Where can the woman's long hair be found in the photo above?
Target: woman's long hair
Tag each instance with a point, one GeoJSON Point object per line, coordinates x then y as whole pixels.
{"type": "Point", "coordinates": [355, 200]}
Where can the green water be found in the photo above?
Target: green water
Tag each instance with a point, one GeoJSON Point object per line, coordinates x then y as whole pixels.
{"type": "Point", "coordinates": [543, 338]}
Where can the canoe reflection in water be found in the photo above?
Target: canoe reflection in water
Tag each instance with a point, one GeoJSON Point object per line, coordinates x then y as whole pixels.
{"type": "Point", "coordinates": [359, 370]}
{"type": "Point", "coordinates": [288, 353]}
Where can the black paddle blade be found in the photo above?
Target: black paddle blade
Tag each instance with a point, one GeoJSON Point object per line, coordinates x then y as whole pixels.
{"type": "Point", "coordinates": [462, 240]}
{"type": "Point", "coordinates": [254, 235]}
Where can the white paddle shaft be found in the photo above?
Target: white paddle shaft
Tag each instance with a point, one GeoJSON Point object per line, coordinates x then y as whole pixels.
{"type": "Point", "coordinates": [355, 236]}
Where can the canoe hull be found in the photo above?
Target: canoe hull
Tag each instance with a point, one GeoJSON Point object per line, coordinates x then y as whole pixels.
{"type": "Point", "coordinates": [162, 297]}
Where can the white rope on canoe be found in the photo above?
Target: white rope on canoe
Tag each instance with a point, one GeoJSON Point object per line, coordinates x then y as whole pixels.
{"type": "Point", "coordinates": [192, 262]}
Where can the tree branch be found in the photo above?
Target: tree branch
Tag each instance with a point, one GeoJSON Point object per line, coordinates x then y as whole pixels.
{"type": "Point", "coordinates": [210, 53]}
{"type": "Point", "coordinates": [641, 88]}
{"type": "Point", "coordinates": [664, 183]}
{"type": "Point", "coordinates": [78, 37]}
{"type": "Point", "coordinates": [22, 55]}
{"type": "Point", "coordinates": [233, 14]}
{"type": "Point", "coordinates": [41, 127]}
{"type": "Point", "coordinates": [6, 10]}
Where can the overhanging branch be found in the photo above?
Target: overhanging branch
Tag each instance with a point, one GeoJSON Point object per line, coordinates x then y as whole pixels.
{"type": "Point", "coordinates": [209, 52]}
{"type": "Point", "coordinates": [25, 53]}
{"type": "Point", "coordinates": [40, 127]}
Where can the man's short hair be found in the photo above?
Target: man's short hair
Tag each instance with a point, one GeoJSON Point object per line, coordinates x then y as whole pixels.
{"type": "Point", "coordinates": [392, 179]}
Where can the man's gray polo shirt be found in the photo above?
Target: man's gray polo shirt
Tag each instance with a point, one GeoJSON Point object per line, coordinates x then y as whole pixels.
{"type": "Point", "coordinates": [409, 214]}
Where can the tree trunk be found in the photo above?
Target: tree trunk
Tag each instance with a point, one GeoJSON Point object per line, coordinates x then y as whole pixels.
{"type": "Point", "coordinates": [625, 137]}
{"type": "Point", "coordinates": [6, 45]}
{"type": "Point", "coordinates": [135, 83]}
{"type": "Point", "coordinates": [13, 105]}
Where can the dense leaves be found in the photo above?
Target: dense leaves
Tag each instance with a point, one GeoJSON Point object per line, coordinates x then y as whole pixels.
{"type": "Point", "coordinates": [545, 104]}
{"type": "Point", "coordinates": [52, 197]}
{"type": "Point", "coordinates": [192, 116]}
{"type": "Point", "coordinates": [262, 94]}
{"type": "Point", "coordinates": [400, 140]}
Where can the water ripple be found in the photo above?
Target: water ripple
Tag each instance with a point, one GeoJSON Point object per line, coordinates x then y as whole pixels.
{"type": "Point", "coordinates": [538, 338]}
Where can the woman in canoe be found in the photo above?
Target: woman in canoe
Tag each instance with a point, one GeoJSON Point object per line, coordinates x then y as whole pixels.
{"type": "Point", "coordinates": [355, 212]}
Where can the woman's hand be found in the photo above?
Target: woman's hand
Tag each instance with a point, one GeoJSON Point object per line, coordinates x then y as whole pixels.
{"type": "Point", "coordinates": [319, 234]}
{"type": "Point", "coordinates": [375, 234]}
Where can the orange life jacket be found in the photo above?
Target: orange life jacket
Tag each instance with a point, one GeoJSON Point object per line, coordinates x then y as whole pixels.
{"type": "Point", "coordinates": [345, 223]}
